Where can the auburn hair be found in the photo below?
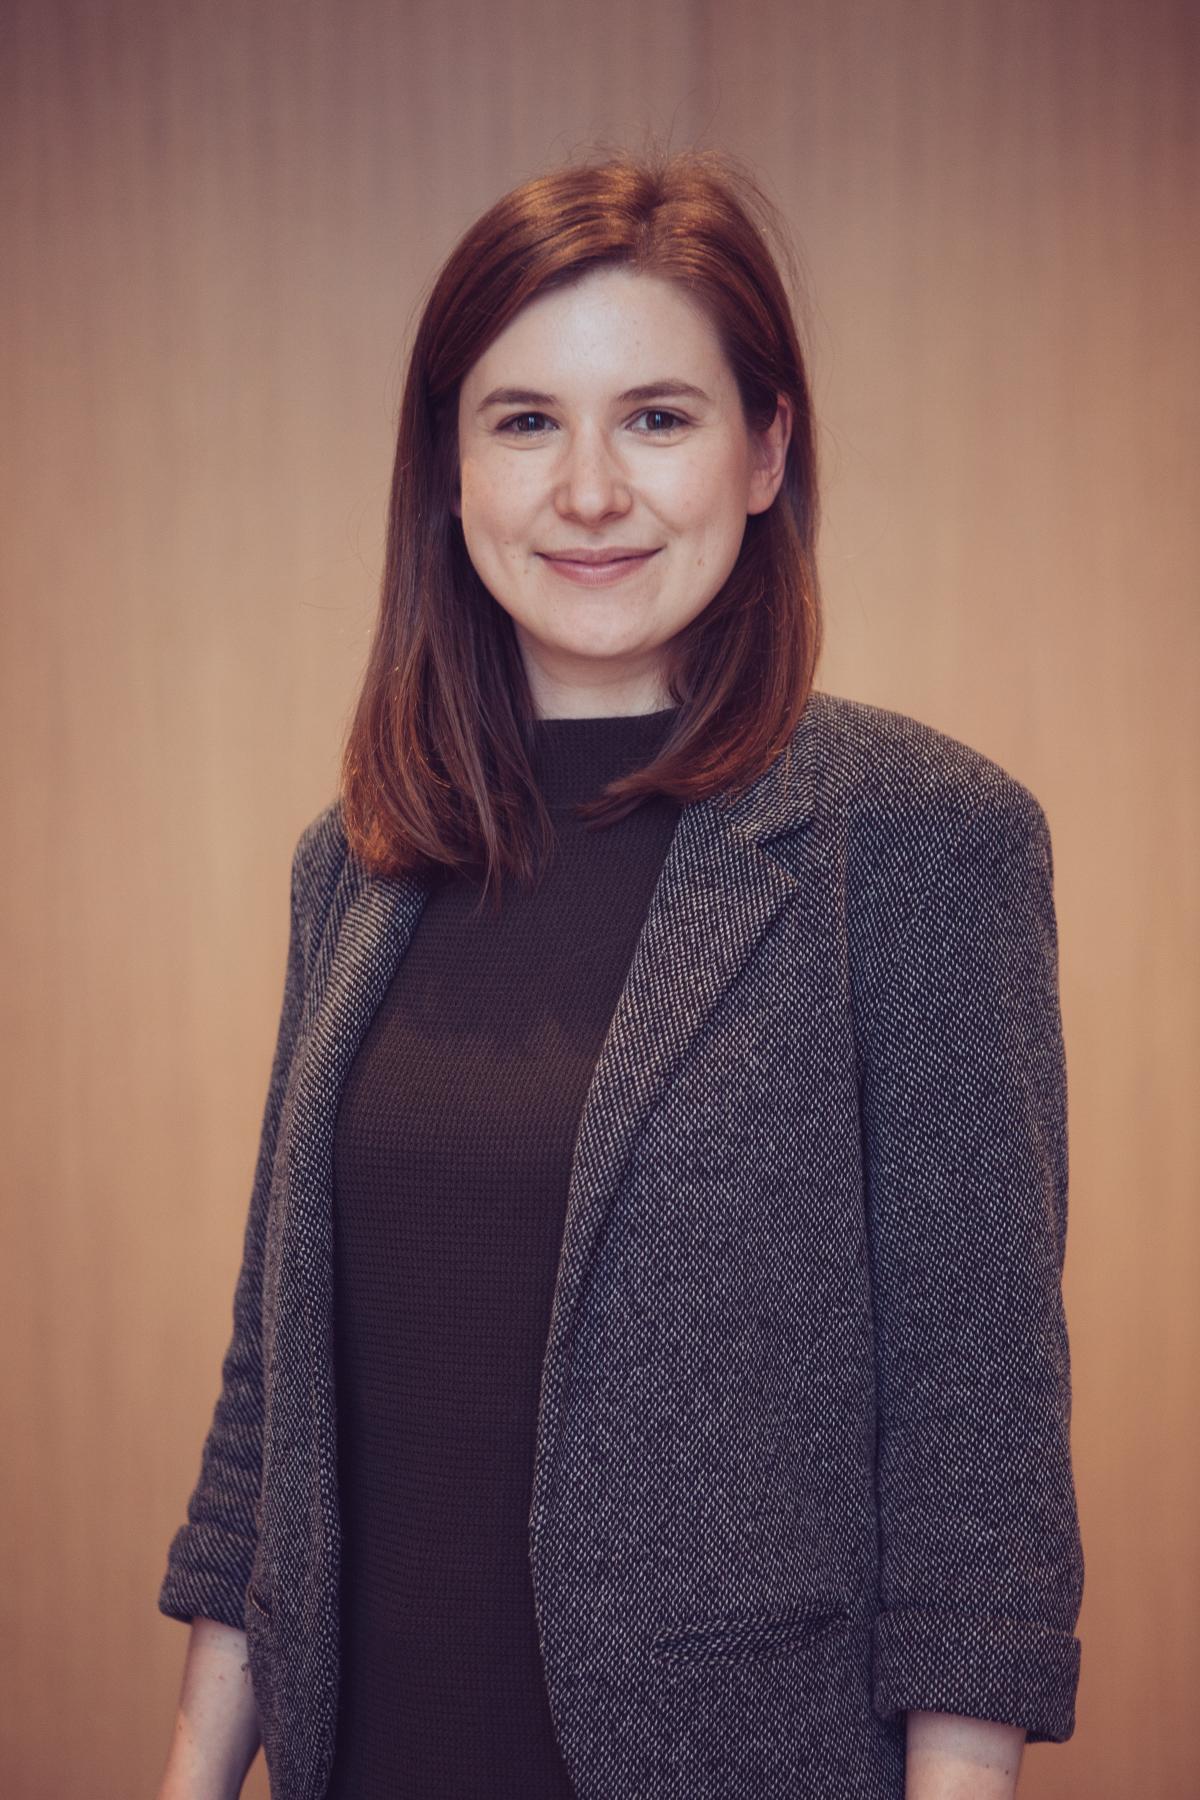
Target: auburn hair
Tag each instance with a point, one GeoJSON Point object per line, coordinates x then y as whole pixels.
{"type": "Point", "coordinates": [436, 776]}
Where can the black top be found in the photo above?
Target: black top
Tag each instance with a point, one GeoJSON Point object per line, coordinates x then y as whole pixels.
{"type": "Point", "coordinates": [452, 1156]}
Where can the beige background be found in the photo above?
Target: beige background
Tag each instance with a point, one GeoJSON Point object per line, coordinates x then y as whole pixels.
{"type": "Point", "coordinates": [219, 224]}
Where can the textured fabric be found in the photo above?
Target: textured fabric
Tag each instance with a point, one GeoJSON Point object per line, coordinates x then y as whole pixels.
{"type": "Point", "coordinates": [452, 1156]}
{"type": "Point", "coordinates": [803, 1446]}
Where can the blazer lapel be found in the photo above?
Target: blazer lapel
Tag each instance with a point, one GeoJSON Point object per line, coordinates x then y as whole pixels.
{"type": "Point", "coordinates": [719, 891]}
{"type": "Point", "coordinates": [370, 924]}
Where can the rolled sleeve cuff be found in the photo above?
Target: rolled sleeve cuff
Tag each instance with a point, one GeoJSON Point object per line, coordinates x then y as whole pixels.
{"type": "Point", "coordinates": [207, 1573]}
{"type": "Point", "coordinates": [1013, 1671]}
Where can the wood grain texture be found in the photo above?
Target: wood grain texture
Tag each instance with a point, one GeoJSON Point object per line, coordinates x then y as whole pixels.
{"type": "Point", "coordinates": [220, 223]}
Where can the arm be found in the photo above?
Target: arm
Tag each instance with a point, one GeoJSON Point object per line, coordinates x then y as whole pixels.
{"type": "Point", "coordinates": [964, 1118]}
{"type": "Point", "coordinates": [210, 1557]}
{"type": "Point", "coordinates": [215, 1738]}
{"type": "Point", "coordinates": [950, 1758]}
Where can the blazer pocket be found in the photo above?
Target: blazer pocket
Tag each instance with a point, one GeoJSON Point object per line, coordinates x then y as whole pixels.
{"type": "Point", "coordinates": [774, 1631]}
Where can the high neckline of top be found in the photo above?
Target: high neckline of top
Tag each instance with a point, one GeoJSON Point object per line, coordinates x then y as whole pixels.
{"type": "Point", "coordinates": [573, 758]}
{"type": "Point", "coordinates": [632, 720]}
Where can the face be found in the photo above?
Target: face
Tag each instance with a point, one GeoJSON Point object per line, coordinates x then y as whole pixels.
{"type": "Point", "coordinates": [606, 421]}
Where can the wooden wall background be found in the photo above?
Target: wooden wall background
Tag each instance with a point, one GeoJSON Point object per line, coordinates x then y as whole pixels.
{"type": "Point", "coordinates": [219, 223]}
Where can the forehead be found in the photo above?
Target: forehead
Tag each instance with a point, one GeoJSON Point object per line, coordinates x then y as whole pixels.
{"type": "Point", "coordinates": [612, 323]}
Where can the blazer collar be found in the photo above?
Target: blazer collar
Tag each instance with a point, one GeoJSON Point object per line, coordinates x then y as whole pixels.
{"type": "Point", "coordinates": [731, 867]}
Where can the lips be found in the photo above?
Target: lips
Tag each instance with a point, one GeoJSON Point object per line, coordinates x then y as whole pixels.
{"type": "Point", "coordinates": [595, 558]}
{"type": "Point", "coordinates": [598, 569]}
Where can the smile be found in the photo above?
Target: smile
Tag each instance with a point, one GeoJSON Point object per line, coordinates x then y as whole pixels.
{"type": "Point", "coordinates": [598, 574]}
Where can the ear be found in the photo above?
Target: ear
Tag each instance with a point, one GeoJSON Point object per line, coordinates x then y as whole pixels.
{"type": "Point", "coordinates": [770, 457]}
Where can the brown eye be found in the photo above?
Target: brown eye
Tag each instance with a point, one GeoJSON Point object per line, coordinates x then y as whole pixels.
{"type": "Point", "coordinates": [659, 412]}
{"type": "Point", "coordinates": [520, 419]}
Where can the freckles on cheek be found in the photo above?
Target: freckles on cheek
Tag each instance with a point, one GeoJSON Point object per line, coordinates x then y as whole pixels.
{"type": "Point", "coordinates": [705, 538]}
{"type": "Point", "coordinates": [499, 500]}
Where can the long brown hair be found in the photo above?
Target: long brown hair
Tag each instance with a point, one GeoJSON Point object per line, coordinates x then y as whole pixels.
{"type": "Point", "coordinates": [436, 774]}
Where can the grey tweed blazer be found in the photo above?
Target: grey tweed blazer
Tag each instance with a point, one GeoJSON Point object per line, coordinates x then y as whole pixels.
{"type": "Point", "coordinates": [803, 1453]}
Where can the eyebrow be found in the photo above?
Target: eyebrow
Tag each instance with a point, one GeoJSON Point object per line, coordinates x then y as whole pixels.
{"type": "Point", "coordinates": [650, 390]}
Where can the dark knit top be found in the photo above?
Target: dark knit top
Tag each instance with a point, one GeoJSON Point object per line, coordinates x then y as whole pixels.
{"type": "Point", "coordinates": [452, 1154]}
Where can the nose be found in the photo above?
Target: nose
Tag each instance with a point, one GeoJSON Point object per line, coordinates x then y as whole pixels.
{"type": "Point", "coordinates": [592, 484]}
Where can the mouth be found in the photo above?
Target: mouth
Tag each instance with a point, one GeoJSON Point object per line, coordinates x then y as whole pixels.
{"type": "Point", "coordinates": [597, 568]}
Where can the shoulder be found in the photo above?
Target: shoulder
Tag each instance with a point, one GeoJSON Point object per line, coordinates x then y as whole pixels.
{"type": "Point", "coordinates": [903, 814]}
{"type": "Point", "coordinates": [880, 777]}
{"type": "Point", "coordinates": [930, 843]}
{"type": "Point", "coordinates": [318, 863]}
{"type": "Point", "coordinates": [321, 849]}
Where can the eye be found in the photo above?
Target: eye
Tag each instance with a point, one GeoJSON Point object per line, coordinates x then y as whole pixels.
{"type": "Point", "coordinates": [519, 419]}
{"type": "Point", "coordinates": [659, 412]}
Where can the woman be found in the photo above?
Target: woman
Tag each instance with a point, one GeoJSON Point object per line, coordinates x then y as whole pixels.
{"type": "Point", "coordinates": [649, 1374]}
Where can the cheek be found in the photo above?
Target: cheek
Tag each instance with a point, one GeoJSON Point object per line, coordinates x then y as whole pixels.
{"type": "Point", "coordinates": [494, 502]}
{"type": "Point", "coordinates": [705, 495]}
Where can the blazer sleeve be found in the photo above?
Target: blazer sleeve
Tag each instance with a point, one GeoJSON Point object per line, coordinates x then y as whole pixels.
{"type": "Point", "coordinates": [210, 1557]}
{"type": "Point", "coordinates": [964, 1113]}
